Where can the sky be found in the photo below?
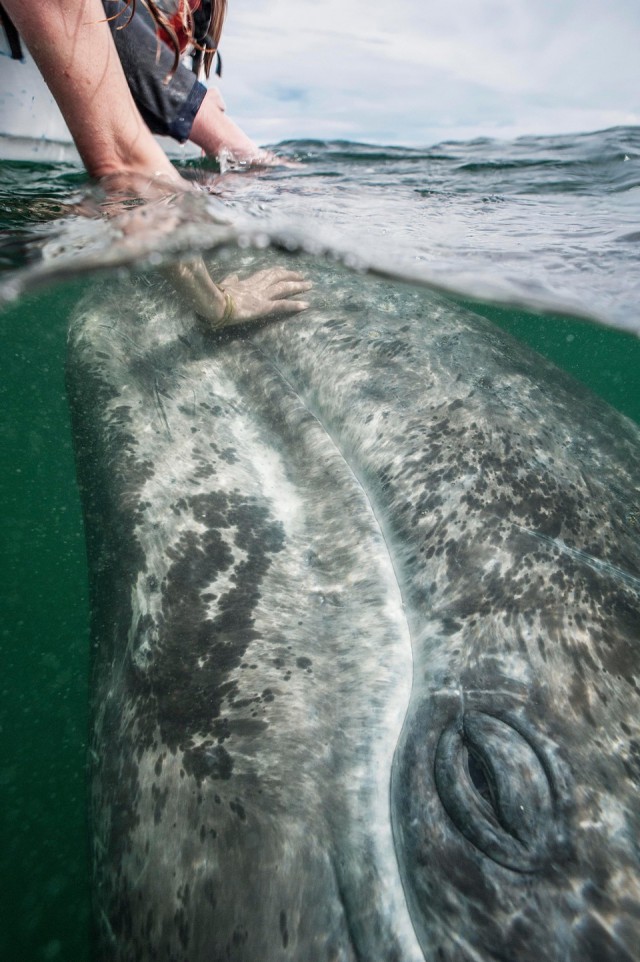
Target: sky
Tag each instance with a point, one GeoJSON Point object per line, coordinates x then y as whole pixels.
{"type": "Point", "coordinates": [416, 72]}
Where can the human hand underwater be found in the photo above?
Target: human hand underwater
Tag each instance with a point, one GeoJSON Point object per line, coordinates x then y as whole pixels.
{"type": "Point", "coordinates": [267, 293]}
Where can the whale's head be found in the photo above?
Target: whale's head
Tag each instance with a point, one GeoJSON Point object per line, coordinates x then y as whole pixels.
{"type": "Point", "coordinates": [366, 601]}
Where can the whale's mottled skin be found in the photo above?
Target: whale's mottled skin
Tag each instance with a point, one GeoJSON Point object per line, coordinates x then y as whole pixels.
{"type": "Point", "coordinates": [366, 624]}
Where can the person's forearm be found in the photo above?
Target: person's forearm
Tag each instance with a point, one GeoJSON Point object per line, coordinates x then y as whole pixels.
{"type": "Point", "coordinates": [72, 46]}
{"type": "Point", "coordinates": [215, 132]}
{"type": "Point", "coordinates": [219, 136]}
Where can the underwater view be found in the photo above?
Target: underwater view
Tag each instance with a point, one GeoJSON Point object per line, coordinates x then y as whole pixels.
{"type": "Point", "coordinates": [465, 258]}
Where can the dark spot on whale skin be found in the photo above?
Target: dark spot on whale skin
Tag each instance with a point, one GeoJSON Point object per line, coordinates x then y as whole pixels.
{"type": "Point", "coordinates": [597, 897]}
{"type": "Point", "coordinates": [239, 938]}
{"type": "Point", "coordinates": [284, 934]}
{"type": "Point", "coordinates": [182, 927]}
{"type": "Point", "coordinates": [245, 702]}
{"type": "Point", "coordinates": [214, 409]}
{"type": "Point", "coordinates": [396, 348]}
{"type": "Point", "coordinates": [160, 797]}
{"type": "Point", "coordinates": [204, 470]}
{"type": "Point", "coordinates": [221, 730]}
{"type": "Point", "coordinates": [303, 662]}
{"type": "Point", "coordinates": [212, 761]}
{"type": "Point", "coordinates": [229, 455]}
{"type": "Point", "coordinates": [238, 809]}
{"type": "Point", "coordinates": [187, 675]}
{"type": "Point", "coordinates": [520, 938]}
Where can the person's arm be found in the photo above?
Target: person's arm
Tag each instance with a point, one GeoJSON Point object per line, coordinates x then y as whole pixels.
{"type": "Point", "coordinates": [220, 137]}
{"type": "Point", "coordinates": [71, 43]}
{"type": "Point", "coordinates": [173, 103]}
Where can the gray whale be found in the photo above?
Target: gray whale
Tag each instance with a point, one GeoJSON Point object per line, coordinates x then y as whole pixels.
{"type": "Point", "coordinates": [365, 594]}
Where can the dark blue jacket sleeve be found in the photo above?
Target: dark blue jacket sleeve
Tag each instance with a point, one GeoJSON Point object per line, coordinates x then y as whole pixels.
{"type": "Point", "coordinates": [168, 108]}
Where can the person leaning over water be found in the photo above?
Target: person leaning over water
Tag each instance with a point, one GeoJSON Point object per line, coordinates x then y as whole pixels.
{"type": "Point", "coordinates": [71, 42]}
{"type": "Point", "coordinates": [172, 101]}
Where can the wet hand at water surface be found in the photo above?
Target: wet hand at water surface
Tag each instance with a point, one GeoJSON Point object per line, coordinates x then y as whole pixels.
{"type": "Point", "coordinates": [219, 136]}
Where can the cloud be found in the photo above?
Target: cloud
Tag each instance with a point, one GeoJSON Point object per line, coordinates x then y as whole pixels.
{"type": "Point", "coordinates": [414, 71]}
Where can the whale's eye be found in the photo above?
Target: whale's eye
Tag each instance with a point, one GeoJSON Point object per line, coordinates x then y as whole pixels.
{"type": "Point", "coordinates": [480, 778]}
{"type": "Point", "coordinates": [495, 789]}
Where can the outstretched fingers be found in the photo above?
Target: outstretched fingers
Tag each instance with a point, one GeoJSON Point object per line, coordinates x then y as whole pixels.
{"type": "Point", "coordinates": [273, 275]}
{"type": "Point", "coordinates": [287, 307]}
{"type": "Point", "coordinates": [288, 288]}
{"type": "Point", "coordinates": [267, 293]}
{"type": "Point", "coordinates": [284, 285]}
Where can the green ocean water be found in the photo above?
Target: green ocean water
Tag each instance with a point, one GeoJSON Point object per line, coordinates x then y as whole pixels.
{"type": "Point", "coordinates": [43, 704]}
{"type": "Point", "coordinates": [45, 648]}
